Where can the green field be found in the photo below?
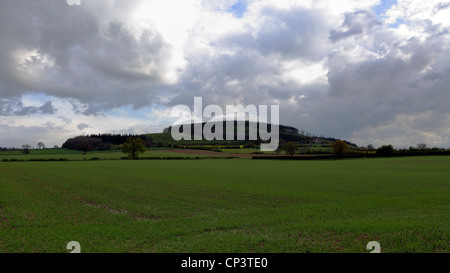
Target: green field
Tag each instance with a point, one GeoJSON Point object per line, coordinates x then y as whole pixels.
{"type": "Point", "coordinates": [67, 154]}
{"type": "Point", "coordinates": [229, 205]}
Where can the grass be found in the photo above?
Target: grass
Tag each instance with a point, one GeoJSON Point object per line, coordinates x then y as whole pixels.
{"type": "Point", "coordinates": [226, 205]}
{"type": "Point", "coordinates": [166, 140]}
{"type": "Point", "coordinates": [67, 154]}
{"type": "Point", "coordinates": [243, 151]}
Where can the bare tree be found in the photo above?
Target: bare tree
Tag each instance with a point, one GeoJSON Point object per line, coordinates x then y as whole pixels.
{"type": "Point", "coordinates": [26, 148]}
{"type": "Point", "coordinates": [41, 145]}
{"type": "Point", "coordinates": [421, 146]}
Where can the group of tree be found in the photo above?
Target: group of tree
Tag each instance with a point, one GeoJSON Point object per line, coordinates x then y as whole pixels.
{"type": "Point", "coordinates": [291, 147]}
{"type": "Point", "coordinates": [389, 149]}
{"type": "Point", "coordinates": [118, 139]}
{"type": "Point", "coordinates": [85, 144]}
{"type": "Point", "coordinates": [385, 150]}
{"type": "Point", "coordinates": [422, 147]}
{"type": "Point", "coordinates": [102, 142]}
{"type": "Point", "coordinates": [26, 148]}
{"type": "Point", "coordinates": [341, 147]}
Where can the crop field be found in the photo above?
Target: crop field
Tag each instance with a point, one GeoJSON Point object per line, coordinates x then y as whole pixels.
{"type": "Point", "coordinates": [226, 205]}
{"type": "Point", "coordinates": [66, 154]}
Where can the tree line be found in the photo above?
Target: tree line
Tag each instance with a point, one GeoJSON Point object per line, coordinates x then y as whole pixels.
{"type": "Point", "coordinates": [102, 141]}
{"type": "Point", "coordinates": [341, 147]}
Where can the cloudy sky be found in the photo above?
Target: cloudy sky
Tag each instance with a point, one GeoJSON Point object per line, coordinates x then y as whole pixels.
{"type": "Point", "coordinates": [371, 72]}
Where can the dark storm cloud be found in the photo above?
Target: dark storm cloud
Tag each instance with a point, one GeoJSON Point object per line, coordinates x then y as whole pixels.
{"type": "Point", "coordinates": [381, 89]}
{"type": "Point", "coordinates": [131, 55]}
{"type": "Point", "coordinates": [293, 33]}
{"type": "Point", "coordinates": [15, 107]}
{"type": "Point", "coordinates": [49, 28]}
{"type": "Point", "coordinates": [79, 53]}
{"type": "Point", "coordinates": [355, 23]}
{"type": "Point", "coordinates": [252, 73]}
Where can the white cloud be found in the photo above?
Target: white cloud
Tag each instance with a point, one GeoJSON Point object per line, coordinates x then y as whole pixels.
{"type": "Point", "coordinates": [436, 11]}
{"type": "Point", "coordinates": [407, 130]}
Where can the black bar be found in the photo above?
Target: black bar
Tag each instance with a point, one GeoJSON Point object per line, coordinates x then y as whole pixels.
{"type": "Point", "coordinates": [230, 262]}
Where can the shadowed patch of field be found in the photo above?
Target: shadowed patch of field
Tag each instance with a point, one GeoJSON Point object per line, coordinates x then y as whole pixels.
{"type": "Point", "coordinates": [206, 153]}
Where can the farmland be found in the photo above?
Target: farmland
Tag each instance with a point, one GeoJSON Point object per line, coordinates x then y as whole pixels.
{"type": "Point", "coordinates": [225, 205]}
{"type": "Point", "coordinates": [66, 154]}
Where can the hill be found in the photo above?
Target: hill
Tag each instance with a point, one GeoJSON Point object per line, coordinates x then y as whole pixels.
{"type": "Point", "coordinates": [164, 139]}
{"type": "Point", "coordinates": [286, 134]}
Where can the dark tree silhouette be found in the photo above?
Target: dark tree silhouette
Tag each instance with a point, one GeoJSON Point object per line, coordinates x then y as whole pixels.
{"type": "Point", "coordinates": [421, 146]}
{"type": "Point", "coordinates": [84, 146]}
{"type": "Point", "coordinates": [385, 149]}
{"type": "Point", "coordinates": [26, 149]}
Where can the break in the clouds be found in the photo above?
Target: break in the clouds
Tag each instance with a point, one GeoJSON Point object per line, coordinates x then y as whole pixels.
{"type": "Point", "coordinates": [372, 72]}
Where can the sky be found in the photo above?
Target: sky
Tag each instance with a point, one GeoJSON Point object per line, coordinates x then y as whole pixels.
{"type": "Point", "coordinates": [370, 72]}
